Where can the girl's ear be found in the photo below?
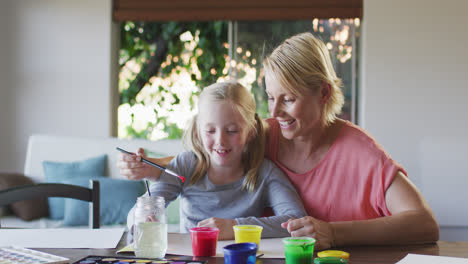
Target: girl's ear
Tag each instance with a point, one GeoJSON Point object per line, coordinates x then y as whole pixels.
{"type": "Point", "coordinates": [325, 92]}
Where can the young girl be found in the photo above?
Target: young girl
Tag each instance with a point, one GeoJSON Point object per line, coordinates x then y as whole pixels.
{"type": "Point", "coordinates": [228, 182]}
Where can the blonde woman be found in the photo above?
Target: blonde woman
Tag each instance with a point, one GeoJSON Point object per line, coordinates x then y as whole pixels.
{"type": "Point", "coordinates": [353, 191]}
{"type": "Point", "coordinates": [228, 182]}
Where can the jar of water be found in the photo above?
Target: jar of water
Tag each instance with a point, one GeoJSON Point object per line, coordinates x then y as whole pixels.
{"type": "Point", "coordinates": [150, 227]}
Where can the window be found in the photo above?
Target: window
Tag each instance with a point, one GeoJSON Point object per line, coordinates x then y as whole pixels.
{"type": "Point", "coordinates": [165, 64]}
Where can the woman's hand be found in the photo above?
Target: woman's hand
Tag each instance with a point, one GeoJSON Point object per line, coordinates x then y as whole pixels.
{"type": "Point", "coordinates": [131, 166]}
{"type": "Point", "coordinates": [311, 227]}
{"type": "Point", "coordinates": [225, 226]}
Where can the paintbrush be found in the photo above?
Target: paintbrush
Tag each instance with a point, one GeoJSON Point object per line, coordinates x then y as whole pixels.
{"type": "Point", "coordinates": [155, 165]}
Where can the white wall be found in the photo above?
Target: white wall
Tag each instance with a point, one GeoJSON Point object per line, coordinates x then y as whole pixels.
{"type": "Point", "coordinates": [5, 86]}
{"type": "Point", "coordinates": [57, 71]}
{"type": "Point", "coordinates": [415, 60]}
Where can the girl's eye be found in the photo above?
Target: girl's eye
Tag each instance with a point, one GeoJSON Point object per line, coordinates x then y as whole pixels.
{"type": "Point", "coordinates": [288, 100]}
{"type": "Point", "coordinates": [232, 131]}
{"type": "Point", "coordinates": [210, 131]}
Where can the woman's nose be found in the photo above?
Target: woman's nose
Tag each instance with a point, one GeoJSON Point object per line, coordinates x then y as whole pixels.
{"type": "Point", "coordinates": [274, 109]}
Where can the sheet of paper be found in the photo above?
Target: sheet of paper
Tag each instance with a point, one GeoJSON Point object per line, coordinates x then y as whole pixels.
{"type": "Point", "coordinates": [61, 238]}
{"type": "Point", "coordinates": [180, 244]}
{"type": "Point", "coordinates": [427, 259]}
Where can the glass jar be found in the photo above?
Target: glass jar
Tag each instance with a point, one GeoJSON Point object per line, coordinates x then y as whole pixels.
{"type": "Point", "coordinates": [150, 227]}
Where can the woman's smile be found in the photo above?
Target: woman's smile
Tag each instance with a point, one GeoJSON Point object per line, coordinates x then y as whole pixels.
{"type": "Point", "coordinates": [287, 124]}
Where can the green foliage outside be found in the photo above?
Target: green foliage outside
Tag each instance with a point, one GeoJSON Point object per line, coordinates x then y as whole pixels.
{"type": "Point", "coordinates": [160, 49]}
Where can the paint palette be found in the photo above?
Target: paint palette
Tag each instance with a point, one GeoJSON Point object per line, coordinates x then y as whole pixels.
{"type": "Point", "coordinates": [20, 255]}
{"type": "Point", "coordinates": [127, 260]}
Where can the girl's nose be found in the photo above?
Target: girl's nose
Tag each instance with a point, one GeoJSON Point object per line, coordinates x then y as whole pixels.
{"type": "Point", "coordinates": [220, 137]}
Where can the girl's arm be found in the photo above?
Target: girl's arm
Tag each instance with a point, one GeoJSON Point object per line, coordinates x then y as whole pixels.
{"type": "Point", "coordinates": [281, 196]}
{"type": "Point", "coordinates": [277, 192]}
{"type": "Point", "coordinates": [132, 167]}
{"type": "Point", "coordinates": [412, 222]}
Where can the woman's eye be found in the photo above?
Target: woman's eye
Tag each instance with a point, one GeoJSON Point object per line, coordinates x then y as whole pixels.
{"type": "Point", "coordinates": [232, 131]}
{"type": "Point", "coordinates": [210, 131]}
{"type": "Point", "coordinates": [288, 100]}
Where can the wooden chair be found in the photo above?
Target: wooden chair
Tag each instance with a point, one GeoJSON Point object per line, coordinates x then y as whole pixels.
{"type": "Point", "coordinates": [43, 190]}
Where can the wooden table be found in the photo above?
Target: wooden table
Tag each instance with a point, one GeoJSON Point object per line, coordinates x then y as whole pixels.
{"type": "Point", "coordinates": [358, 255]}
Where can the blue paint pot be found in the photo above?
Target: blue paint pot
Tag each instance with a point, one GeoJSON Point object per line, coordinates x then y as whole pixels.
{"type": "Point", "coordinates": [241, 253]}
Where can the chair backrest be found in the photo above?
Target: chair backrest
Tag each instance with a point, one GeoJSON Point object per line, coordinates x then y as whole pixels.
{"type": "Point", "coordinates": [43, 190]}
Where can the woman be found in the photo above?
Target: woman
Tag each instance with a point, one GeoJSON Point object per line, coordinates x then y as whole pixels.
{"type": "Point", "coordinates": [353, 192]}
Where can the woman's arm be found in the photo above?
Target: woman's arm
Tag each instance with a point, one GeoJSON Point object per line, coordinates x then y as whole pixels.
{"type": "Point", "coordinates": [412, 222]}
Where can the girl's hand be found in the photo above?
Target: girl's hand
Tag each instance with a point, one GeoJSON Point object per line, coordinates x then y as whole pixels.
{"type": "Point", "coordinates": [311, 227]}
{"type": "Point", "coordinates": [225, 226]}
{"type": "Point", "coordinates": [132, 167]}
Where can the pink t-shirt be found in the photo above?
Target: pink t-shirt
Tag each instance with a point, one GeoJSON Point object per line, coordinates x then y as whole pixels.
{"type": "Point", "coordinates": [351, 180]}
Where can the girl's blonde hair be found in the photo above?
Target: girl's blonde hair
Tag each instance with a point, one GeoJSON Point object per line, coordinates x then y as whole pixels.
{"type": "Point", "coordinates": [302, 63]}
{"type": "Point", "coordinates": [244, 104]}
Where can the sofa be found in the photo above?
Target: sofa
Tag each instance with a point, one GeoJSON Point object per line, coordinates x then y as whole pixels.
{"type": "Point", "coordinates": [60, 151]}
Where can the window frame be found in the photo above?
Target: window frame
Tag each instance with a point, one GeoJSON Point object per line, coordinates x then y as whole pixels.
{"type": "Point", "coordinates": [206, 10]}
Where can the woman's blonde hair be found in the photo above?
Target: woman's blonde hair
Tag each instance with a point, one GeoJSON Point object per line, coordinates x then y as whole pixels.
{"type": "Point", "coordinates": [302, 63]}
{"type": "Point", "coordinates": [244, 103]}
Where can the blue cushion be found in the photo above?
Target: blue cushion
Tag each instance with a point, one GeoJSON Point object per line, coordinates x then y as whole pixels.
{"type": "Point", "coordinates": [56, 172]}
{"type": "Point", "coordinates": [117, 197]}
